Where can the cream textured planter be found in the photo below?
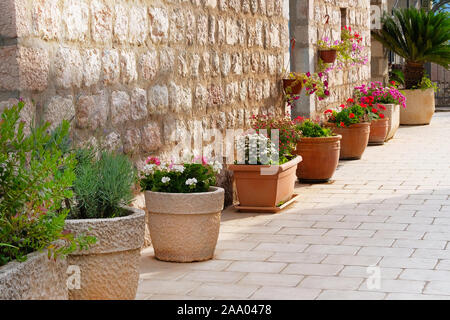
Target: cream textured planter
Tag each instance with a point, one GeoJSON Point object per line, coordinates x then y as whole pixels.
{"type": "Point", "coordinates": [420, 106]}
{"type": "Point", "coordinates": [38, 278]}
{"type": "Point", "coordinates": [109, 269]}
{"type": "Point", "coordinates": [184, 227]}
{"type": "Point", "coordinates": [393, 113]}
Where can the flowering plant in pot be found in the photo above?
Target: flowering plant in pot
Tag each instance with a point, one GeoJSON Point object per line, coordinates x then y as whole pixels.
{"type": "Point", "coordinates": [388, 96]}
{"type": "Point", "coordinates": [379, 123]}
{"type": "Point", "coordinates": [319, 148]}
{"type": "Point", "coordinates": [36, 176]}
{"type": "Point", "coordinates": [352, 123]}
{"type": "Point", "coordinates": [266, 167]}
{"type": "Point", "coordinates": [184, 208]}
{"type": "Point", "coordinates": [328, 49]}
{"type": "Point", "coordinates": [103, 189]}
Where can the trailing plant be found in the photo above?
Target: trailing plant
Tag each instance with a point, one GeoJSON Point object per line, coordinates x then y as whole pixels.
{"type": "Point", "coordinates": [312, 129]}
{"type": "Point", "coordinates": [350, 113]}
{"type": "Point", "coordinates": [314, 83]}
{"type": "Point", "coordinates": [36, 176]}
{"type": "Point", "coordinates": [287, 132]}
{"type": "Point", "coordinates": [376, 93]}
{"type": "Point", "coordinates": [103, 185]}
{"type": "Point", "coordinates": [418, 36]}
{"type": "Point", "coordinates": [426, 83]}
{"type": "Point", "coordinates": [197, 175]}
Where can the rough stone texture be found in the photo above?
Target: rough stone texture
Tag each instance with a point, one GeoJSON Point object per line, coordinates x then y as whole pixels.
{"type": "Point", "coordinates": [184, 227]}
{"type": "Point", "coordinates": [38, 278]}
{"type": "Point", "coordinates": [58, 109]}
{"type": "Point", "coordinates": [109, 269]}
{"type": "Point", "coordinates": [307, 21]}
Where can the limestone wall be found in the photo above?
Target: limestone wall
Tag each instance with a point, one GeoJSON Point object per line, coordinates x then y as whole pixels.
{"type": "Point", "coordinates": [132, 73]}
{"type": "Point", "coordinates": [308, 25]}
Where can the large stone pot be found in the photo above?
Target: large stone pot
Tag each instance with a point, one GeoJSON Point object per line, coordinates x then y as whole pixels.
{"type": "Point", "coordinates": [258, 188]}
{"type": "Point", "coordinates": [320, 158]}
{"type": "Point", "coordinates": [378, 131]}
{"type": "Point", "coordinates": [420, 106]}
{"type": "Point", "coordinates": [354, 139]}
{"type": "Point", "coordinates": [38, 278]}
{"type": "Point", "coordinates": [184, 227]}
{"type": "Point", "coordinates": [393, 113]}
{"type": "Point", "coordinates": [109, 269]}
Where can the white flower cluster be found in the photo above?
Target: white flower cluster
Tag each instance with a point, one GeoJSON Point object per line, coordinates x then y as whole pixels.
{"type": "Point", "coordinates": [191, 182]}
{"type": "Point", "coordinates": [253, 147]}
{"type": "Point", "coordinates": [165, 180]}
{"type": "Point", "coordinates": [217, 167]}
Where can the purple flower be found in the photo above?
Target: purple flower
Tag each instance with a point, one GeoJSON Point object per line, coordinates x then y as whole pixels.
{"type": "Point", "coordinates": [308, 74]}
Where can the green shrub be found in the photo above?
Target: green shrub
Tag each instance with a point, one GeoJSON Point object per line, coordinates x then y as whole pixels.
{"type": "Point", "coordinates": [35, 178]}
{"type": "Point", "coordinates": [312, 129]}
{"type": "Point", "coordinates": [103, 185]}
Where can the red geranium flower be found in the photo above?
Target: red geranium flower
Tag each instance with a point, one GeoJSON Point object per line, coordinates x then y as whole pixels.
{"type": "Point", "coordinates": [342, 124]}
{"type": "Point", "coordinates": [350, 100]}
{"type": "Point", "coordinates": [343, 106]}
{"type": "Point", "coordinates": [381, 115]}
{"type": "Point", "coordinates": [393, 83]}
{"type": "Point", "coordinates": [351, 115]}
{"type": "Point", "coordinates": [328, 111]}
{"type": "Point", "coordinates": [381, 107]}
{"type": "Point", "coordinates": [374, 110]}
{"type": "Point", "coordinates": [363, 105]}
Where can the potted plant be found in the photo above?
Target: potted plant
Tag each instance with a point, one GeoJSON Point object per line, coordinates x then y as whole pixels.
{"type": "Point", "coordinates": [418, 36]}
{"type": "Point", "coordinates": [103, 189]}
{"type": "Point", "coordinates": [184, 208]}
{"type": "Point", "coordinates": [379, 124]}
{"type": "Point", "coordinates": [391, 99]}
{"type": "Point", "coordinates": [36, 176]}
{"type": "Point", "coordinates": [352, 123]}
{"type": "Point", "coordinates": [265, 171]}
{"type": "Point", "coordinates": [319, 149]}
{"type": "Point", "coordinates": [327, 50]}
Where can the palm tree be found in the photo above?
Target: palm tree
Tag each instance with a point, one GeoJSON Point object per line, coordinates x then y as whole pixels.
{"type": "Point", "coordinates": [418, 36]}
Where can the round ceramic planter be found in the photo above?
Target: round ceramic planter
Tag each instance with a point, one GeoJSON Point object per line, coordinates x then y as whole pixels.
{"type": "Point", "coordinates": [38, 278]}
{"type": "Point", "coordinates": [260, 186]}
{"type": "Point", "coordinates": [184, 227]}
{"type": "Point", "coordinates": [393, 113]}
{"type": "Point", "coordinates": [354, 140]}
{"type": "Point", "coordinates": [292, 86]}
{"type": "Point", "coordinates": [328, 56]}
{"type": "Point", "coordinates": [110, 268]}
{"type": "Point", "coordinates": [378, 131]}
{"type": "Point", "coordinates": [420, 106]}
{"type": "Point", "coordinates": [320, 158]}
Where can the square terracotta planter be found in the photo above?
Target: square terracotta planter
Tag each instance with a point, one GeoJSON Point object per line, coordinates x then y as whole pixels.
{"type": "Point", "coordinates": [262, 186]}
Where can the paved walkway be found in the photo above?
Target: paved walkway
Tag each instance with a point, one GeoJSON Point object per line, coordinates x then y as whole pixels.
{"type": "Point", "coordinates": [391, 209]}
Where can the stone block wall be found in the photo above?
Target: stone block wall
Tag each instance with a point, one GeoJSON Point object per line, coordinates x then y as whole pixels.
{"type": "Point", "coordinates": [308, 25]}
{"type": "Point", "coordinates": [132, 74]}
{"type": "Point", "coordinates": [379, 62]}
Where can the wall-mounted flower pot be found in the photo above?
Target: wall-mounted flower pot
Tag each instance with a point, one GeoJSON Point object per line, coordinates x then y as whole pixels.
{"type": "Point", "coordinates": [184, 227]}
{"type": "Point", "coordinates": [38, 278]}
{"type": "Point", "coordinates": [265, 187]}
{"type": "Point", "coordinates": [354, 139]}
{"type": "Point", "coordinates": [320, 158]}
{"type": "Point", "coordinates": [292, 86]}
{"type": "Point", "coordinates": [378, 131]}
{"type": "Point", "coordinates": [393, 113]}
{"type": "Point", "coordinates": [420, 107]}
{"type": "Point", "coordinates": [110, 268]}
{"type": "Point", "coordinates": [328, 56]}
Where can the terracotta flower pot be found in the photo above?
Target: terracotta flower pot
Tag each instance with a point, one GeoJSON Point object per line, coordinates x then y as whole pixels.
{"type": "Point", "coordinates": [378, 131]}
{"type": "Point", "coordinates": [184, 227]}
{"type": "Point", "coordinates": [420, 107]}
{"type": "Point", "coordinates": [320, 158]}
{"type": "Point", "coordinates": [328, 56]}
{"type": "Point", "coordinates": [354, 140]}
{"type": "Point", "coordinates": [110, 268]}
{"type": "Point", "coordinates": [393, 113]}
{"type": "Point", "coordinates": [265, 186]}
{"type": "Point", "coordinates": [292, 86]}
{"type": "Point", "coordinates": [38, 278]}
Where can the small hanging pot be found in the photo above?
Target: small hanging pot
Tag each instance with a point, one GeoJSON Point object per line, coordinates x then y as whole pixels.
{"type": "Point", "coordinates": [328, 56]}
{"type": "Point", "coordinates": [292, 86]}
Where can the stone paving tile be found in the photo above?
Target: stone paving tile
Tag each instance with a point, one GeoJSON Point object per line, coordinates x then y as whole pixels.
{"type": "Point", "coordinates": [285, 293]}
{"type": "Point", "coordinates": [391, 209]}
